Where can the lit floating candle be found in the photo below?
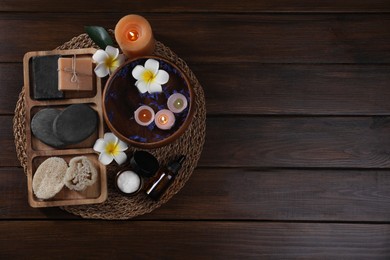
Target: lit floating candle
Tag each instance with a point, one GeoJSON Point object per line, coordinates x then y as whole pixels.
{"type": "Point", "coordinates": [177, 103]}
{"type": "Point", "coordinates": [134, 35]}
{"type": "Point", "coordinates": [164, 119]}
{"type": "Point", "coordinates": [144, 115]}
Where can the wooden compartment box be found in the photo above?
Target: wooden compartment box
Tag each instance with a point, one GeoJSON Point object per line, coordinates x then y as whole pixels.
{"type": "Point", "coordinates": [37, 151]}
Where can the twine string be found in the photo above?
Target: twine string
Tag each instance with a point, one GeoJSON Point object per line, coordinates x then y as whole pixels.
{"type": "Point", "coordinates": [75, 75]}
{"type": "Point", "coordinates": [74, 78]}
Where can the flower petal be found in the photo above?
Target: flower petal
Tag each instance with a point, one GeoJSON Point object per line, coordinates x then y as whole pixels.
{"type": "Point", "coordinates": [142, 86]}
{"type": "Point", "coordinates": [105, 158]}
{"type": "Point", "coordinates": [116, 63]}
{"type": "Point", "coordinates": [152, 65]}
{"type": "Point", "coordinates": [122, 146]}
{"type": "Point", "coordinates": [112, 52]}
{"type": "Point", "coordinates": [99, 145]}
{"type": "Point", "coordinates": [121, 59]}
{"type": "Point", "coordinates": [120, 158]}
{"type": "Point", "coordinates": [110, 138]}
{"type": "Point", "coordinates": [162, 77]}
{"type": "Point", "coordinates": [154, 88]}
{"type": "Point", "coordinates": [113, 68]}
{"type": "Point", "coordinates": [100, 56]}
{"type": "Point", "coordinates": [101, 70]}
{"type": "Point", "coordinates": [138, 71]}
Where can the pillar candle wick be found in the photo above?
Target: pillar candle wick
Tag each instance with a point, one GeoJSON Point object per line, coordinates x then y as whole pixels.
{"type": "Point", "coordinates": [133, 35]}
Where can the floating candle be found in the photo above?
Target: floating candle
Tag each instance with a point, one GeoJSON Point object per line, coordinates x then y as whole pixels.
{"type": "Point", "coordinates": [177, 103]}
{"type": "Point", "coordinates": [144, 115]}
{"type": "Point", "coordinates": [134, 36]}
{"type": "Point", "coordinates": [164, 119]}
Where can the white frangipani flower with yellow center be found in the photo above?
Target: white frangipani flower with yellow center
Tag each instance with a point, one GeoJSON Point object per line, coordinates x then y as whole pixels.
{"type": "Point", "coordinates": [150, 78]}
{"type": "Point", "coordinates": [110, 148]}
{"type": "Point", "coordinates": [107, 61]}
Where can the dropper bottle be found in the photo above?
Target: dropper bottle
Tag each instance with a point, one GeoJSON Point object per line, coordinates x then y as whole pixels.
{"type": "Point", "coordinates": [164, 178]}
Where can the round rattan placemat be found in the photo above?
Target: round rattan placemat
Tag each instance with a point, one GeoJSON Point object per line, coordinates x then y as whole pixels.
{"type": "Point", "coordinates": [190, 144]}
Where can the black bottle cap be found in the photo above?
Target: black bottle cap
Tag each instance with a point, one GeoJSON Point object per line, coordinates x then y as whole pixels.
{"type": "Point", "coordinates": [176, 165]}
{"type": "Point", "coordinates": [144, 163]}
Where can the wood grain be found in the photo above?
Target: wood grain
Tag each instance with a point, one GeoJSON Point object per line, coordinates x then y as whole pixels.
{"type": "Point", "coordinates": [334, 142]}
{"type": "Point", "coordinates": [194, 239]}
{"type": "Point", "coordinates": [245, 194]}
{"type": "Point", "coordinates": [296, 160]}
{"type": "Point", "coordinates": [11, 78]}
{"type": "Point", "coordinates": [295, 89]}
{"type": "Point", "coordinates": [269, 88]}
{"type": "Point", "coordinates": [176, 6]}
{"type": "Point", "coordinates": [340, 142]}
{"type": "Point", "coordinates": [292, 38]}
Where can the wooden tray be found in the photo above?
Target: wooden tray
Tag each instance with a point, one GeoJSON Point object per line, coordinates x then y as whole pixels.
{"type": "Point", "coordinates": [37, 151]}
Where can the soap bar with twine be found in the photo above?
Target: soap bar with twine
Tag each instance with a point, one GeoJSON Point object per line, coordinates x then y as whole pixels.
{"type": "Point", "coordinates": [75, 74]}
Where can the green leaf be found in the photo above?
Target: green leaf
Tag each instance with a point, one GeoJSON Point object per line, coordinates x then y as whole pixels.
{"type": "Point", "coordinates": [99, 35]}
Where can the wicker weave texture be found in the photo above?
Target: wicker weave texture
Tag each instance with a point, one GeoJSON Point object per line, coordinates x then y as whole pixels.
{"type": "Point", "coordinates": [190, 143]}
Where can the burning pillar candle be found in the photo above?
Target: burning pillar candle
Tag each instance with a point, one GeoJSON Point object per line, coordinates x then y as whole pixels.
{"type": "Point", "coordinates": [144, 115]}
{"type": "Point", "coordinates": [134, 36]}
{"type": "Point", "coordinates": [177, 103]}
{"type": "Point", "coordinates": [164, 119]}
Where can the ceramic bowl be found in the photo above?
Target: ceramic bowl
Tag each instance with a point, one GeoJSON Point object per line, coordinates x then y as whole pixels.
{"type": "Point", "coordinates": [121, 98]}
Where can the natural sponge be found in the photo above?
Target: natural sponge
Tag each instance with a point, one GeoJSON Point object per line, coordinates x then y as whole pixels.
{"type": "Point", "coordinates": [48, 179]}
{"type": "Point", "coordinates": [80, 174]}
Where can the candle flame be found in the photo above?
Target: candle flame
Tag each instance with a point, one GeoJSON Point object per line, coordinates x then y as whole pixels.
{"type": "Point", "coordinates": [163, 119]}
{"type": "Point", "coordinates": [132, 35]}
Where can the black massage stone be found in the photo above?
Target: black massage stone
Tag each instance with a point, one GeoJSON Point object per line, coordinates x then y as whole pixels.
{"type": "Point", "coordinates": [75, 123]}
{"type": "Point", "coordinates": [42, 127]}
{"type": "Point", "coordinates": [44, 76]}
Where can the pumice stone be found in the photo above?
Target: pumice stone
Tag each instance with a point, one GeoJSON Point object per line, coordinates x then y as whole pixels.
{"type": "Point", "coordinates": [75, 123]}
{"type": "Point", "coordinates": [42, 127]}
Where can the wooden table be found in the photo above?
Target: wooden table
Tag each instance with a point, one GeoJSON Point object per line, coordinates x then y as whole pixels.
{"type": "Point", "coordinates": [297, 154]}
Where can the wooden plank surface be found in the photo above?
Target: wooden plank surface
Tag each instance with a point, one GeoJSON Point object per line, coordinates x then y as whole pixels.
{"type": "Point", "coordinates": [193, 240]}
{"type": "Point", "coordinates": [173, 6]}
{"type": "Point", "coordinates": [332, 142]}
{"type": "Point", "coordinates": [296, 38]}
{"type": "Point", "coordinates": [296, 159]}
{"type": "Point", "coordinates": [245, 194]}
{"type": "Point", "coordinates": [317, 142]}
{"type": "Point", "coordinates": [325, 89]}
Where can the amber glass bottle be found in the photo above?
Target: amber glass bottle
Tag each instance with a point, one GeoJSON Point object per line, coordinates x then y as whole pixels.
{"type": "Point", "coordinates": [164, 178]}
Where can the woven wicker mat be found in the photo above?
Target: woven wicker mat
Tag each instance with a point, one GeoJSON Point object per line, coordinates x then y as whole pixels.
{"type": "Point", "coordinates": [190, 143]}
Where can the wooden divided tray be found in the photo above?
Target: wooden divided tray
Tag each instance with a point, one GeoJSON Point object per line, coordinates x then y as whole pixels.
{"type": "Point", "coordinates": [37, 151]}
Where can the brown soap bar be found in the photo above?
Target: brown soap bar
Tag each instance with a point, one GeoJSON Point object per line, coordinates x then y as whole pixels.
{"type": "Point", "coordinates": [75, 74]}
{"type": "Point", "coordinates": [44, 77]}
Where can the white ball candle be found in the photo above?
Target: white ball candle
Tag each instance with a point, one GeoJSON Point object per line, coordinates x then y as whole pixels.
{"type": "Point", "coordinates": [128, 182]}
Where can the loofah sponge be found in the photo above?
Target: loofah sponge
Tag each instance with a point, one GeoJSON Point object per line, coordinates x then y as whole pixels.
{"type": "Point", "coordinates": [80, 174]}
{"type": "Point", "coordinates": [48, 179]}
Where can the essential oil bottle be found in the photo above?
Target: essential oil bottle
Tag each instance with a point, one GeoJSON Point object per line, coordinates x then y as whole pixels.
{"type": "Point", "coordinates": [164, 178]}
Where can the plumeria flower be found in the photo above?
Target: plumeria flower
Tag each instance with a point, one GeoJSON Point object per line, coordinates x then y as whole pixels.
{"type": "Point", "coordinates": [110, 148]}
{"type": "Point", "coordinates": [150, 78]}
{"type": "Point", "coordinates": [108, 61]}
